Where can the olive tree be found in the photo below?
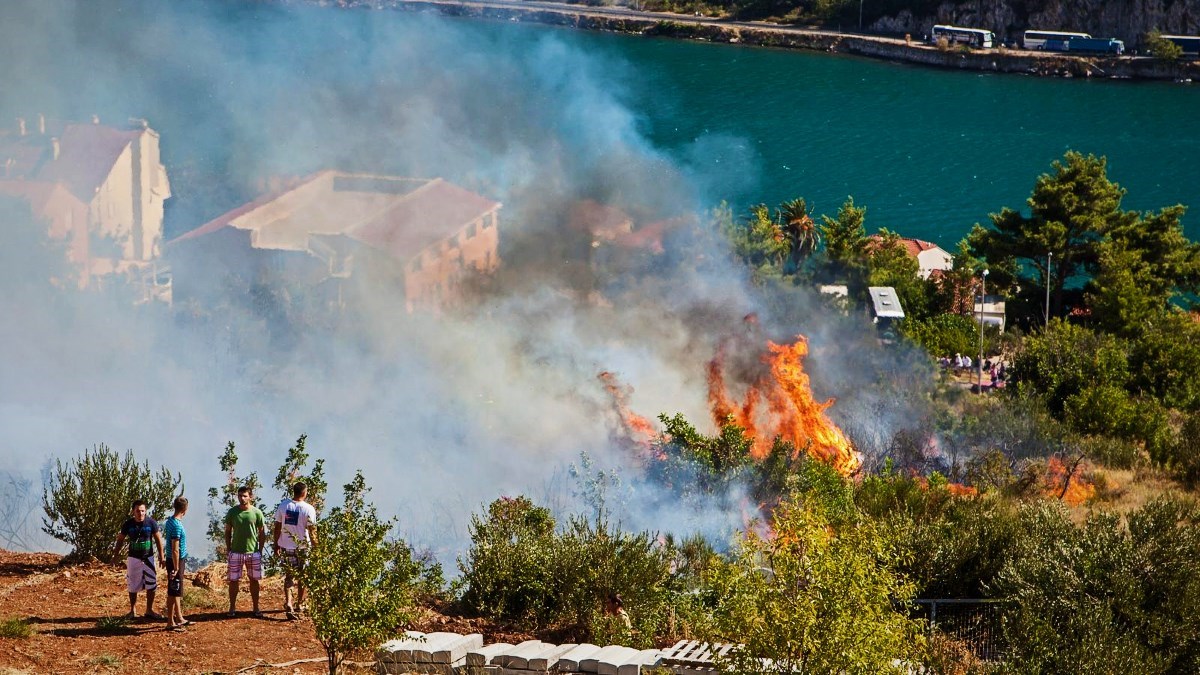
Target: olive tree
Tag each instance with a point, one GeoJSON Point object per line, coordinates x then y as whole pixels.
{"type": "Point", "coordinates": [87, 498]}
{"type": "Point", "coordinates": [361, 585]}
{"type": "Point", "coordinates": [814, 596]}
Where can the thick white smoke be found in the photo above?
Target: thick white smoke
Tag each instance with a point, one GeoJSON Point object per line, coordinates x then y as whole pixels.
{"type": "Point", "coordinates": [443, 413]}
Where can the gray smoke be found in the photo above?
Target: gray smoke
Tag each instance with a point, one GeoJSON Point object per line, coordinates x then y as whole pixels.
{"type": "Point", "coordinates": [443, 413]}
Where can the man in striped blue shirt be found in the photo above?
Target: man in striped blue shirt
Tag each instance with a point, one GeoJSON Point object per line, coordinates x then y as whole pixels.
{"type": "Point", "coordinates": [176, 538]}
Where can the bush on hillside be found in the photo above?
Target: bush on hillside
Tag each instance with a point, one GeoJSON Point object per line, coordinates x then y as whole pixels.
{"type": "Point", "coordinates": [814, 596]}
{"type": "Point", "coordinates": [520, 570]}
{"type": "Point", "coordinates": [362, 587]}
{"type": "Point", "coordinates": [87, 498]}
{"type": "Point", "coordinates": [1104, 596]}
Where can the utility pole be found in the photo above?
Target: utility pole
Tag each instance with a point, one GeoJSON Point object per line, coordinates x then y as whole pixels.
{"type": "Point", "coordinates": [982, 300]}
{"type": "Point", "coordinates": [1049, 256]}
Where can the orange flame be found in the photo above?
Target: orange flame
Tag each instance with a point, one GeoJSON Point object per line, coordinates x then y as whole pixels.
{"type": "Point", "coordinates": [637, 428]}
{"type": "Point", "coordinates": [792, 413]}
{"type": "Point", "coordinates": [1078, 491]}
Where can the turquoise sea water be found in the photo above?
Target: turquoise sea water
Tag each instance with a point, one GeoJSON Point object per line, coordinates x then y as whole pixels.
{"type": "Point", "coordinates": [929, 152]}
{"type": "Point", "coordinates": [230, 85]}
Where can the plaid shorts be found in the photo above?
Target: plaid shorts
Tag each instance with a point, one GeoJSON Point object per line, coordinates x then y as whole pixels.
{"type": "Point", "coordinates": [252, 562]}
{"type": "Point", "coordinates": [140, 574]}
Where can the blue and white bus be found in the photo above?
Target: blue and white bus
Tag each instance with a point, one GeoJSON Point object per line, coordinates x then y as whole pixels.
{"type": "Point", "coordinates": [975, 37]}
{"type": "Point", "coordinates": [1190, 44]}
{"type": "Point", "coordinates": [1036, 39]}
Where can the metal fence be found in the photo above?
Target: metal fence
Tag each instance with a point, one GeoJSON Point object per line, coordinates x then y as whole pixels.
{"type": "Point", "coordinates": [976, 624]}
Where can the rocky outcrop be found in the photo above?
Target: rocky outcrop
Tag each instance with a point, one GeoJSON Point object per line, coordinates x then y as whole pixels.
{"type": "Point", "coordinates": [1128, 20]}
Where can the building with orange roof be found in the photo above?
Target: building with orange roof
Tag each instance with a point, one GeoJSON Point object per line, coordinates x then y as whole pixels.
{"type": "Point", "coordinates": [99, 188]}
{"type": "Point", "coordinates": [929, 256]}
{"type": "Point", "coordinates": [332, 226]}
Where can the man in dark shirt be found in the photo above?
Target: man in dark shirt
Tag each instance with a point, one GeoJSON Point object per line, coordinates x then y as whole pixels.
{"type": "Point", "coordinates": [143, 536]}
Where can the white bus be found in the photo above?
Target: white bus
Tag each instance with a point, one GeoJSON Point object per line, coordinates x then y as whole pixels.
{"type": "Point", "coordinates": [975, 37]}
{"type": "Point", "coordinates": [1036, 39]}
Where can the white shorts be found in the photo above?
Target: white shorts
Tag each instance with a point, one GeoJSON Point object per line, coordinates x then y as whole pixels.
{"type": "Point", "coordinates": [140, 574]}
{"type": "Point", "coordinates": [252, 562]}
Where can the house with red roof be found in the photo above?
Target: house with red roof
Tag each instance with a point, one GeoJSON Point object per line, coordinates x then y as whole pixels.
{"type": "Point", "coordinates": [331, 227]}
{"type": "Point", "coordinates": [99, 188]}
{"type": "Point", "coordinates": [929, 256]}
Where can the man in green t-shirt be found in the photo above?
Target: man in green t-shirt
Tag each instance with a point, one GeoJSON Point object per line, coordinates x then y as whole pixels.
{"type": "Point", "coordinates": [245, 535]}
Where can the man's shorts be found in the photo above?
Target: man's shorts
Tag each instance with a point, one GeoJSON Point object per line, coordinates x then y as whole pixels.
{"type": "Point", "coordinates": [140, 574]}
{"type": "Point", "coordinates": [293, 562]}
{"type": "Point", "coordinates": [174, 584]}
{"type": "Point", "coordinates": [251, 562]}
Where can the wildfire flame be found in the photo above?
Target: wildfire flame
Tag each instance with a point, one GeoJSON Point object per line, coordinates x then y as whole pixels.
{"type": "Point", "coordinates": [778, 403]}
{"type": "Point", "coordinates": [637, 428]}
{"type": "Point", "coordinates": [1078, 489]}
{"type": "Point", "coordinates": [791, 412]}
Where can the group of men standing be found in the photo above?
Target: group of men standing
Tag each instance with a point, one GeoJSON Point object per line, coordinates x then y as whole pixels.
{"type": "Point", "coordinates": [293, 532]}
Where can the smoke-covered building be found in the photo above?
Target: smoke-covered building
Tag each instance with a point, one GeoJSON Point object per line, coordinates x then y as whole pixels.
{"type": "Point", "coordinates": [316, 235]}
{"type": "Point", "coordinates": [99, 189]}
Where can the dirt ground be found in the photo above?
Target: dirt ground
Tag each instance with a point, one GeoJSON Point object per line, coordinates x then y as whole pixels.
{"type": "Point", "coordinates": [64, 603]}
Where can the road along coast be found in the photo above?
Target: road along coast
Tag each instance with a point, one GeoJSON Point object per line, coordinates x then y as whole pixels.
{"type": "Point", "coordinates": [625, 20]}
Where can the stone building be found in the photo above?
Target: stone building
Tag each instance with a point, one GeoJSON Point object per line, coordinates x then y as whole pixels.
{"type": "Point", "coordinates": [98, 188]}
{"type": "Point", "coordinates": [331, 227]}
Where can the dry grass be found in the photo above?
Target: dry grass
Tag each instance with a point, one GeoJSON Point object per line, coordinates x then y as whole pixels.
{"type": "Point", "coordinates": [1131, 489]}
{"type": "Point", "coordinates": [202, 598]}
{"type": "Point", "coordinates": [105, 660]}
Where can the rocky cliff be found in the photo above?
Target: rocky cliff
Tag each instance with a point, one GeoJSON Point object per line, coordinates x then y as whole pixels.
{"type": "Point", "coordinates": [1128, 20]}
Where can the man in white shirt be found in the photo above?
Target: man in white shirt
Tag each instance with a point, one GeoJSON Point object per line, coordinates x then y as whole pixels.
{"type": "Point", "coordinates": [295, 531]}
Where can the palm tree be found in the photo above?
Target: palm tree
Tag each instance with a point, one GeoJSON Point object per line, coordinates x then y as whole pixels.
{"type": "Point", "coordinates": [799, 228]}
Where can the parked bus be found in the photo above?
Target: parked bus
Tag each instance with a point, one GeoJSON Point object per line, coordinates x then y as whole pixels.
{"type": "Point", "coordinates": [975, 37]}
{"type": "Point", "coordinates": [1190, 44]}
{"type": "Point", "coordinates": [1096, 46]}
{"type": "Point", "coordinates": [1036, 39]}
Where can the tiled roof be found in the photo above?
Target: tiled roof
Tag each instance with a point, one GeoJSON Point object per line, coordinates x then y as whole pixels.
{"type": "Point", "coordinates": [427, 215]}
{"type": "Point", "coordinates": [401, 216]}
{"type": "Point", "coordinates": [87, 153]}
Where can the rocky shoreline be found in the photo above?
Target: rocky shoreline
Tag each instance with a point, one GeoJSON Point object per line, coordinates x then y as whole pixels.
{"type": "Point", "coordinates": [886, 48]}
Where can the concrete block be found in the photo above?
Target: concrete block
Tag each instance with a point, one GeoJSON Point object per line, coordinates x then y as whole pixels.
{"type": "Point", "coordinates": [400, 650]}
{"type": "Point", "coordinates": [544, 661]}
{"type": "Point", "coordinates": [606, 655]}
{"type": "Point", "coordinates": [610, 663]}
{"type": "Point", "coordinates": [518, 659]}
{"type": "Point", "coordinates": [521, 650]}
{"type": "Point", "coordinates": [455, 651]}
{"type": "Point", "coordinates": [647, 658]}
{"type": "Point", "coordinates": [482, 656]}
{"type": "Point", "coordinates": [433, 642]}
{"type": "Point", "coordinates": [569, 662]}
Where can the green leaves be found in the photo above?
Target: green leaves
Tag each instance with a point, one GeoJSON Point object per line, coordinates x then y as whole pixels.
{"type": "Point", "coordinates": [87, 498]}
{"type": "Point", "coordinates": [361, 587]}
{"type": "Point", "coordinates": [814, 597]}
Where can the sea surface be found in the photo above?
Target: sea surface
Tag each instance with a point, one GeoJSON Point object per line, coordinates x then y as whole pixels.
{"type": "Point", "coordinates": [928, 152]}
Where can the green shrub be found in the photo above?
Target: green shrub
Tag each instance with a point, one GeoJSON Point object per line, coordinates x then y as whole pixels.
{"type": "Point", "coordinates": [361, 587]}
{"type": "Point", "coordinates": [114, 625]}
{"type": "Point", "coordinates": [947, 334]}
{"type": "Point", "coordinates": [15, 627]}
{"type": "Point", "coordinates": [1104, 596]}
{"type": "Point", "coordinates": [521, 571]}
{"type": "Point", "coordinates": [814, 597]}
{"type": "Point", "coordinates": [1112, 452]}
{"type": "Point", "coordinates": [1161, 48]}
{"type": "Point", "coordinates": [87, 498]}
{"type": "Point", "coordinates": [1185, 454]}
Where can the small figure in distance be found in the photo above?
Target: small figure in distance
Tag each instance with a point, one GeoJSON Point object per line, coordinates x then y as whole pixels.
{"type": "Point", "coordinates": [295, 532]}
{"type": "Point", "coordinates": [140, 573]}
{"type": "Point", "coordinates": [615, 606]}
{"type": "Point", "coordinates": [176, 538]}
{"type": "Point", "coordinates": [245, 536]}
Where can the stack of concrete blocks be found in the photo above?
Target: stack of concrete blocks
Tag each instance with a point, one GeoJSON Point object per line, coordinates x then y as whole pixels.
{"type": "Point", "coordinates": [426, 653]}
{"type": "Point", "coordinates": [454, 654]}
